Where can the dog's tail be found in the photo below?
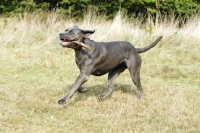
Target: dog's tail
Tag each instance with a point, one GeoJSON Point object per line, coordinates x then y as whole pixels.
{"type": "Point", "coordinates": [142, 50]}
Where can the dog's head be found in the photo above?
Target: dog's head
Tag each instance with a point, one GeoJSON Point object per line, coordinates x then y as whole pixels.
{"type": "Point", "coordinates": [73, 35]}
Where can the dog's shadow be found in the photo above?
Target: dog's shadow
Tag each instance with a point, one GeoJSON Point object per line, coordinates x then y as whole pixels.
{"type": "Point", "coordinates": [98, 90]}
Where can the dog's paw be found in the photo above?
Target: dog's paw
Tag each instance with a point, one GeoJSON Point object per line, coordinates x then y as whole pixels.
{"type": "Point", "coordinates": [101, 98]}
{"type": "Point", "coordinates": [140, 95]}
{"type": "Point", "coordinates": [61, 101]}
{"type": "Point", "coordinates": [82, 90]}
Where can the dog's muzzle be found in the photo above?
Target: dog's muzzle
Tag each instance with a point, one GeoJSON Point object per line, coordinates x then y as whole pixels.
{"type": "Point", "coordinates": [63, 41]}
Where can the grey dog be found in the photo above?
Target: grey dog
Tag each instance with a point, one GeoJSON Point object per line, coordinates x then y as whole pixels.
{"type": "Point", "coordinates": [99, 58]}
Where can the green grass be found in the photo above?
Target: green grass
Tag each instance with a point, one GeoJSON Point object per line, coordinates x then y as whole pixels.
{"type": "Point", "coordinates": [35, 72]}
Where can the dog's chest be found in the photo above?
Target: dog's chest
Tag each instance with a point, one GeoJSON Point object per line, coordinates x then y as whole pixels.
{"type": "Point", "coordinates": [83, 60]}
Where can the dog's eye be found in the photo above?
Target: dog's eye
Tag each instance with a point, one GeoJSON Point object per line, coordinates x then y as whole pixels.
{"type": "Point", "coordinates": [66, 30]}
{"type": "Point", "coordinates": [71, 32]}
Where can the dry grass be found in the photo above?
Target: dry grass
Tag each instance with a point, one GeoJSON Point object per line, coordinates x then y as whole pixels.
{"type": "Point", "coordinates": [35, 72]}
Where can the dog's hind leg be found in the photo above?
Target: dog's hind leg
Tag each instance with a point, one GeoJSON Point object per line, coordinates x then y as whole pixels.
{"type": "Point", "coordinates": [111, 78]}
{"type": "Point", "coordinates": [134, 70]}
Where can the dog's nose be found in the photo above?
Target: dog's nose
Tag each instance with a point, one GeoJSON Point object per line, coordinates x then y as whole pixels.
{"type": "Point", "coordinates": [61, 34]}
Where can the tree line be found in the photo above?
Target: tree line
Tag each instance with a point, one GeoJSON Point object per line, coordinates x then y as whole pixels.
{"type": "Point", "coordinates": [77, 8]}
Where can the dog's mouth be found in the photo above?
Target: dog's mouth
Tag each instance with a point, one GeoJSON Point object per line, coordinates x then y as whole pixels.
{"type": "Point", "coordinates": [65, 42]}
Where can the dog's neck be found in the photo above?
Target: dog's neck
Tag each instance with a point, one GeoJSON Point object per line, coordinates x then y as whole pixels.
{"type": "Point", "coordinates": [86, 41]}
{"type": "Point", "coordinates": [89, 42]}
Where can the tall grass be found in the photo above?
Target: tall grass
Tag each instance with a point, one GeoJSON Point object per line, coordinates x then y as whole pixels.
{"type": "Point", "coordinates": [35, 72]}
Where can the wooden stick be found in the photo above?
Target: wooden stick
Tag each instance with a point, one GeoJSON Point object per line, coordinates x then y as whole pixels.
{"type": "Point", "coordinates": [84, 45]}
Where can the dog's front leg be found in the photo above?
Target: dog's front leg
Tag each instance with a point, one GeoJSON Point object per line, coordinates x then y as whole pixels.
{"type": "Point", "coordinates": [82, 78]}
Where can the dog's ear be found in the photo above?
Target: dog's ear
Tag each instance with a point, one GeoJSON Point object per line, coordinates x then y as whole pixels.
{"type": "Point", "coordinates": [75, 26]}
{"type": "Point", "coordinates": [87, 33]}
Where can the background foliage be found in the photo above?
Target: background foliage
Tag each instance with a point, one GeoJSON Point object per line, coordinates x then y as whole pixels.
{"type": "Point", "coordinates": [77, 8]}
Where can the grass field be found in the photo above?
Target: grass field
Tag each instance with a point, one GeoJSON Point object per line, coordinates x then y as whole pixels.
{"type": "Point", "coordinates": [35, 71]}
